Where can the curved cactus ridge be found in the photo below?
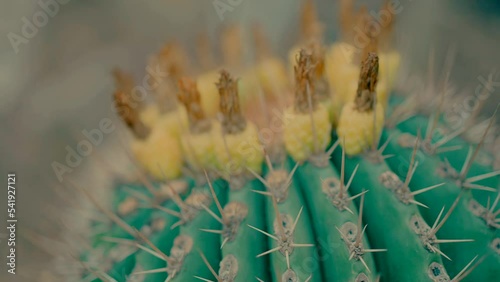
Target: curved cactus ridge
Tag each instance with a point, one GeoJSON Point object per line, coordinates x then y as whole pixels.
{"type": "Point", "coordinates": [462, 162]}
{"type": "Point", "coordinates": [461, 223]}
{"type": "Point", "coordinates": [196, 215]}
{"type": "Point", "coordinates": [291, 243]}
{"type": "Point", "coordinates": [240, 247]}
{"type": "Point", "coordinates": [455, 152]}
{"type": "Point", "coordinates": [346, 252]}
{"type": "Point", "coordinates": [162, 237]}
{"type": "Point", "coordinates": [393, 212]}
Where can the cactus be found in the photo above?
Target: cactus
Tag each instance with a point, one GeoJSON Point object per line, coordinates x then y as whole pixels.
{"type": "Point", "coordinates": [469, 220]}
{"type": "Point", "coordinates": [334, 216]}
{"type": "Point", "coordinates": [333, 195]}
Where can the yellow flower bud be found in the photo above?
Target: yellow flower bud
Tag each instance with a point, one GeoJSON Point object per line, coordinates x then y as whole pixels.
{"type": "Point", "coordinates": [159, 154]}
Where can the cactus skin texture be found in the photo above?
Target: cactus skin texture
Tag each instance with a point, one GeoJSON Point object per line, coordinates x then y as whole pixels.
{"type": "Point", "coordinates": [462, 222]}
{"type": "Point", "coordinates": [324, 201]}
{"type": "Point", "coordinates": [390, 213]}
{"type": "Point", "coordinates": [457, 157]}
{"type": "Point", "coordinates": [327, 218]}
{"type": "Point", "coordinates": [247, 244]}
{"type": "Point", "coordinates": [284, 194]}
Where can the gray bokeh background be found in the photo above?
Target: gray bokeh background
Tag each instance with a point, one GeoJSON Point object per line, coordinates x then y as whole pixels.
{"type": "Point", "coordinates": [58, 83]}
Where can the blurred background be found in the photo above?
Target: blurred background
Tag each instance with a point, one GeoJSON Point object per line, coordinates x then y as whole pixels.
{"type": "Point", "coordinates": [57, 82]}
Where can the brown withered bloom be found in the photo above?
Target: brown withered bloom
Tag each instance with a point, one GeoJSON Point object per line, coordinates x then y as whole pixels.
{"type": "Point", "coordinates": [368, 78]}
{"type": "Point", "coordinates": [321, 86]}
{"type": "Point", "coordinates": [127, 108]}
{"type": "Point", "coordinates": [233, 121]}
{"type": "Point", "coordinates": [189, 96]}
{"type": "Point", "coordinates": [304, 83]}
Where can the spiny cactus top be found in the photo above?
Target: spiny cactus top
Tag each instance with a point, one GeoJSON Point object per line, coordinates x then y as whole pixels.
{"type": "Point", "coordinates": [286, 173]}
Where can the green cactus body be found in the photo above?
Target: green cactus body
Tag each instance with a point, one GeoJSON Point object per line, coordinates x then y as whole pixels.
{"type": "Point", "coordinates": [116, 259]}
{"type": "Point", "coordinates": [122, 269]}
{"type": "Point", "coordinates": [246, 207]}
{"type": "Point", "coordinates": [289, 203]}
{"type": "Point", "coordinates": [328, 220]}
{"type": "Point", "coordinates": [455, 157]}
{"type": "Point", "coordinates": [130, 203]}
{"type": "Point", "coordinates": [393, 222]}
{"type": "Point", "coordinates": [462, 222]}
{"type": "Point", "coordinates": [162, 237]}
{"type": "Point", "coordinates": [454, 160]}
{"type": "Point", "coordinates": [208, 244]}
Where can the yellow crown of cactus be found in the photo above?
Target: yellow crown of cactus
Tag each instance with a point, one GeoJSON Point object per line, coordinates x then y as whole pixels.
{"type": "Point", "coordinates": [301, 139]}
{"type": "Point", "coordinates": [357, 127]}
{"type": "Point", "coordinates": [155, 148]}
{"type": "Point", "coordinates": [208, 92]}
{"type": "Point", "coordinates": [150, 115]}
{"type": "Point", "coordinates": [165, 113]}
{"type": "Point", "coordinates": [320, 80]}
{"type": "Point", "coordinates": [174, 122]}
{"type": "Point", "coordinates": [197, 142]}
{"type": "Point", "coordinates": [270, 71]}
{"type": "Point", "coordinates": [271, 75]}
{"type": "Point", "coordinates": [340, 68]}
{"type": "Point", "coordinates": [198, 150]}
{"type": "Point", "coordinates": [236, 142]}
{"type": "Point", "coordinates": [248, 88]}
{"type": "Point", "coordinates": [307, 130]}
{"type": "Point", "coordinates": [159, 154]}
{"type": "Point", "coordinates": [342, 73]}
{"type": "Point", "coordinates": [236, 152]}
{"type": "Point", "coordinates": [341, 60]}
{"type": "Point", "coordinates": [232, 51]}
